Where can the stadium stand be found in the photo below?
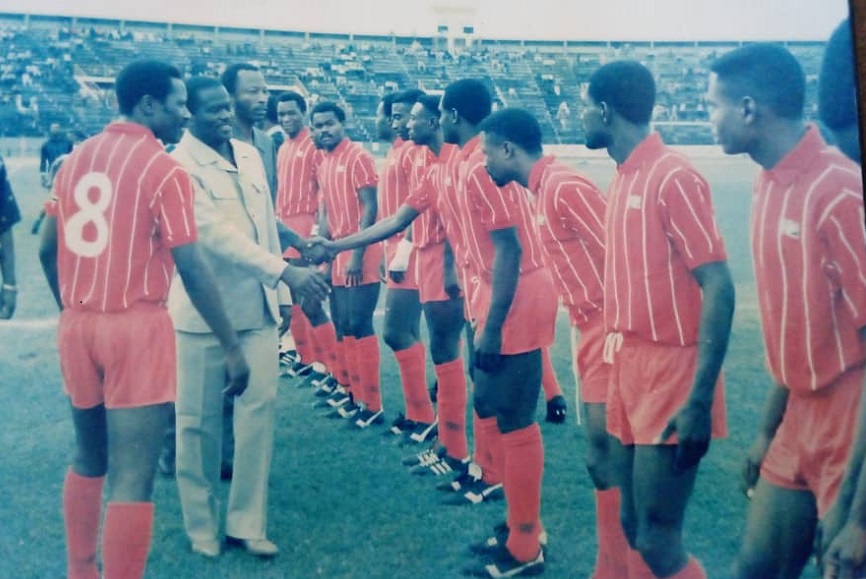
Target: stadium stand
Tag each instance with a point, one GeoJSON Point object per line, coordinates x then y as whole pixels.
{"type": "Point", "coordinates": [61, 69]}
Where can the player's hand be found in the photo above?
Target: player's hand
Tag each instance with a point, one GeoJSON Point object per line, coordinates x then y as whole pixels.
{"type": "Point", "coordinates": [396, 276]}
{"type": "Point", "coordinates": [8, 300]}
{"type": "Point", "coordinates": [752, 465]}
{"type": "Point", "coordinates": [488, 349]}
{"type": "Point", "coordinates": [317, 250]}
{"type": "Point", "coordinates": [693, 426]}
{"type": "Point", "coordinates": [845, 557]}
{"type": "Point", "coordinates": [452, 285]}
{"type": "Point", "coordinates": [285, 319]}
{"type": "Point", "coordinates": [305, 282]}
{"type": "Point", "coordinates": [237, 372]}
{"type": "Point", "coordinates": [355, 269]}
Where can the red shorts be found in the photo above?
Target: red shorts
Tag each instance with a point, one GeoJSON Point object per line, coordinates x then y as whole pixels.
{"type": "Point", "coordinates": [410, 280]}
{"type": "Point", "coordinates": [430, 273]}
{"type": "Point", "coordinates": [123, 360]}
{"type": "Point", "coordinates": [372, 260]}
{"type": "Point", "coordinates": [302, 224]}
{"type": "Point", "coordinates": [592, 373]}
{"type": "Point", "coordinates": [531, 321]}
{"type": "Point", "coordinates": [812, 444]}
{"type": "Point", "coordinates": [649, 382]}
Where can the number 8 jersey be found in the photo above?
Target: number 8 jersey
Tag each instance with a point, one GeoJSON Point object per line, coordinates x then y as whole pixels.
{"type": "Point", "coordinates": [121, 204]}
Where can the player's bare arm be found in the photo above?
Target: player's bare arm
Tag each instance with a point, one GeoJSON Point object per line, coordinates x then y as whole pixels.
{"type": "Point", "coordinates": [693, 422]}
{"type": "Point", "coordinates": [506, 273]}
{"type": "Point", "coordinates": [369, 209]}
{"type": "Point", "coordinates": [774, 411]}
{"type": "Point", "coordinates": [288, 238]}
{"type": "Point", "coordinates": [380, 230]}
{"type": "Point", "coordinates": [200, 285]}
{"type": "Point", "coordinates": [48, 257]}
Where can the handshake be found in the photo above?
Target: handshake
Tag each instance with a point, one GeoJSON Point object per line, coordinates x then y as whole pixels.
{"type": "Point", "coordinates": [317, 250]}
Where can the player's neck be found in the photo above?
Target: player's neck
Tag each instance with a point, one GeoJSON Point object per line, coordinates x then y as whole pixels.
{"type": "Point", "coordinates": [625, 141]}
{"type": "Point", "coordinates": [777, 141]}
{"type": "Point", "coordinates": [435, 145]}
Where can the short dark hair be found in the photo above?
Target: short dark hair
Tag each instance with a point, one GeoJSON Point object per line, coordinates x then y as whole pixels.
{"type": "Point", "coordinates": [470, 98]}
{"type": "Point", "coordinates": [387, 101]}
{"type": "Point", "coordinates": [144, 77]}
{"type": "Point", "coordinates": [628, 87]}
{"type": "Point", "coordinates": [837, 87]}
{"type": "Point", "coordinates": [767, 72]}
{"type": "Point", "coordinates": [516, 125]}
{"type": "Point", "coordinates": [229, 76]}
{"type": "Point", "coordinates": [430, 103]}
{"type": "Point", "coordinates": [194, 86]}
{"type": "Point", "coordinates": [409, 96]}
{"type": "Point", "coordinates": [329, 107]}
{"type": "Point", "coordinates": [291, 95]}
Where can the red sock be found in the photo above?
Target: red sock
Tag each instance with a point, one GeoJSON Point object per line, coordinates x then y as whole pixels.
{"type": "Point", "coordinates": [611, 561]}
{"type": "Point", "coordinates": [342, 364]}
{"type": "Point", "coordinates": [300, 329]}
{"type": "Point", "coordinates": [692, 570]}
{"type": "Point", "coordinates": [637, 567]}
{"type": "Point", "coordinates": [524, 467]}
{"type": "Point", "coordinates": [368, 371]}
{"type": "Point", "coordinates": [352, 368]}
{"type": "Point", "coordinates": [549, 382]}
{"type": "Point", "coordinates": [413, 375]}
{"type": "Point", "coordinates": [126, 540]}
{"type": "Point", "coordinates": [490, 460]}
{"type": "Point", "coordinates": [82, 506]}
{"type": "Point", "coordinates": [481, 454]}
{"type": "Point", "coordinates": [325, 346]}
{"type": "Point", "coordinates": [451, 400]}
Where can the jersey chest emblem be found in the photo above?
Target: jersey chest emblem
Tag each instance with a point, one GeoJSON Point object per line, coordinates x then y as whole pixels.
{"type": "Point", "coordinates": [341, 168]}
{"type": "Point", "coordinates": [789, 228]}
{"type": "Point", "coordinates": [540, 219]}
{"type": "Point", "coordinates": [633, 202]}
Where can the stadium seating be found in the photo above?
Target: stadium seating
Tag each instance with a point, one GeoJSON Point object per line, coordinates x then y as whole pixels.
{"type": "Point", "coordinates": [54, 69]}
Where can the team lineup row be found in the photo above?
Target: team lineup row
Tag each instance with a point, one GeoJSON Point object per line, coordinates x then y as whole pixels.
{"type": "Point", "coordinates": [481, 232]}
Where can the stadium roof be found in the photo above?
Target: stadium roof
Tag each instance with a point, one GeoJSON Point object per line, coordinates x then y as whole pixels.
{"type": "Point", "coordinates": [679, 20]}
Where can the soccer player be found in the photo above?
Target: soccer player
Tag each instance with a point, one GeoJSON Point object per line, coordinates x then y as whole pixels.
{"type": "Point", "coordinates": [668, 305]}
{"type": "Point", "coordinates": [569, 212]}
{"type": "Point", "coordinates": [384, 129]}
{"type": "Point", "coordinates": [121, 220]}
{"type": "Point", "coordinates": [439, 291]}
{"type": "Point", "coordinates": [237, 230]}
{"type": "Point", "coordinates": [249, 92]}
{"type": "Point", "coordinates": [402, 331]}
{"type": "Point", "coordinates": [297, 208]}
{"type": "Point", "coordinates": [347, 181]}
{"type": "Point", "coordinates": [809, 253]}
{"type": "Point", "coordinates": [56, 145]}
{"type": "Point", "coordinates": [842, 542]}
{"type": "Point", "coordinates": [9, 216]}
{"type": "Point", "coordinates": [837, 91]}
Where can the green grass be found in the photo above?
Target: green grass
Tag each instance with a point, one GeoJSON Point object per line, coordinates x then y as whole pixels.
{"type": "Point", "coordinates": [341, 505]}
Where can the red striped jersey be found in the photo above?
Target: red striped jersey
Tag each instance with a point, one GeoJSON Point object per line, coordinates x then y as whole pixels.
{"type": "Point", "coordinates": [659, 226]}
{"type": "Point", "coordinates": [395, 179]}
{"type": "Point", "coordinates": [121, 204]}
{"type": "Point", "coordinates": [341, 174]}
{"type": "Point", "coordinates": [484, 207]}
{"type": "Point", "coordinates": [297, 189]}
{"type": "Point", "coordinates": [429, 176]}
{"type": "Point", "coordinates": [809, 254]}
{"type": "Point", "coordinates": [569, 211]}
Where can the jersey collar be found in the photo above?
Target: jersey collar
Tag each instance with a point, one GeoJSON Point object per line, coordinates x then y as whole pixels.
{"type": "Point", "coordinates": [537, 172]}
{"type": "Point", "coordinates": [648, 149]}
{"type": "Point", "coordinates": [799, 158]}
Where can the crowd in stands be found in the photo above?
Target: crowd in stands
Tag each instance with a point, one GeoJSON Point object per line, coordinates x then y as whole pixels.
{"type": "Point", "coordinates": [55, 70]}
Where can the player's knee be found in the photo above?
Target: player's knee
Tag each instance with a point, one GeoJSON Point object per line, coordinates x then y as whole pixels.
{"type": "Point", "coordinates": [598, 467]}
{"type": "Point", "coordinates": [658, 543]}
{"type": "Point", "coordinates": [91, 462]}
{"type": "Point", "coordinates": [397, 338]}
{"type": "Point", "coordinates": [132, 484]}
{"type": "Point", "coordinates": [443, 348]}
{"type": "Point", "coordinates": [754, 563]}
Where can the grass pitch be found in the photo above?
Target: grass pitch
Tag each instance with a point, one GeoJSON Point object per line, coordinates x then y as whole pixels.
{"type": "Point", "coordinates": [341, 505]}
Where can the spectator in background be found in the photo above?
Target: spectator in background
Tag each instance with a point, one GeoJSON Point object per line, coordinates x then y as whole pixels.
{"type": "Point", "coordinates": [57, 144]}
{"type": "Point", "coordinates": [9, 216]}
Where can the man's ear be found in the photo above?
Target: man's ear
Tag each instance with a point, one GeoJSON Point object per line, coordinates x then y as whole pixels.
{"type": "Point", "coordinates": [749, 109]}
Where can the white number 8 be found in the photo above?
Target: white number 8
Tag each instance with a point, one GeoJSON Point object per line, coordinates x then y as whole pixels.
{"type": "Point", "coordinates": [90, 212]}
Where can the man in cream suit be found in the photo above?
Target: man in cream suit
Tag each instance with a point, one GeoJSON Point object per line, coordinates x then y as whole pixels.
{"type": "Point", "coordinates": [237, 231]}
